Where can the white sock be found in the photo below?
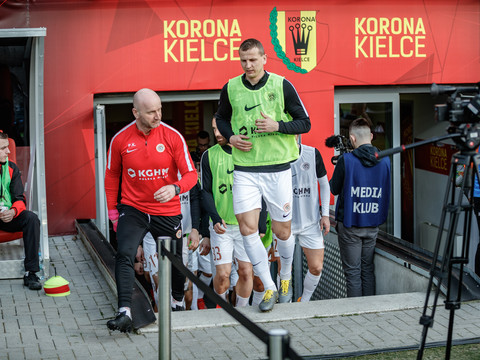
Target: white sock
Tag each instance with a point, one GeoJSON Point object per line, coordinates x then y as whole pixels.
{"type": "Point", "coordinates": [285, 250]}
{"type": "Point", "coordinates": [223, 296]}
{"type": "Point", "coordinates": [257, 297]}
{"type": "Point", "coordinates": [309, 285]}
{"type": "Point", "coordinates": [126, 310]}
{"type": "Point", "coordinates": [194, 297]}
{"type": "Point", "coordinates": [206, 280]}
{"type": "Point", "coordinates": [175, 302]}
{"type": "Point", "coordinates": [233, 276]}
{"type": "Point", "coordinates": [241, 301]}
{"type": "Point", "coordinates": [259, 259]}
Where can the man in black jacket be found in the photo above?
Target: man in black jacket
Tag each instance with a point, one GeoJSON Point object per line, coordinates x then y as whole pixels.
{"type": "Point", "coordinates": [363, 184]}
{"type": "Point", "coordinates": [14, 216]}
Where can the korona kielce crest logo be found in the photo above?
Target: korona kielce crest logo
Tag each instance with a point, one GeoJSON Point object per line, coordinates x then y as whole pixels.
{"type": "Point", "coordinates": [298, 38]}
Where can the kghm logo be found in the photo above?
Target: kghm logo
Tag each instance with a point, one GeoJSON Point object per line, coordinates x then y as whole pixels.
{"type": "Point", "coordinates": [251, 131]}
{"type": "Point", "coordinates": [300, 43]}
{"type": "Point", "coordinates": [223, 188]}
{"type": "Point", "coordinates": [148, 174]}
{"type": "Point", "coordinates": [301, 191]}
{"type": "Point", "coordinates": [243, 131]}
{"type": "Point", "coordinates": [298, 38]}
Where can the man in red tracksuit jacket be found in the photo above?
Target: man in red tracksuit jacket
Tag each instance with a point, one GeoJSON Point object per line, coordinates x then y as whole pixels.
{"type": "Point", "coordinates": [14, 217]}
{"type": "Point", "coordinates": [146, 158]}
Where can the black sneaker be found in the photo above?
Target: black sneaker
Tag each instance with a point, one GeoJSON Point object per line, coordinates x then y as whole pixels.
{"type": "Point", "coordinates": [32, 281]}
{"type": "Point", "coordinates": [122, 323]}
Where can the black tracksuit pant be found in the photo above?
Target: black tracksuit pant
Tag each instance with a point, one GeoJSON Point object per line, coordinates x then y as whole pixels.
{"type": "Point", "coordinates": [132, 227]}
{"type": "Point", "coordinates": [28, 222]}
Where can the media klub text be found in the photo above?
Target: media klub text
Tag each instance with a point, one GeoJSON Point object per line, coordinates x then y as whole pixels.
{"type": "Point", "coordinates": [363, 207]}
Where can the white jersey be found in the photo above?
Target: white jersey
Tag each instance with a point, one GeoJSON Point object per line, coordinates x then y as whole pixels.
{"type": "Point", "coordinates": [185, 210]}
{"type": "Point", "coordinates": [306, 201]}
{"type": "Point", "coordinates": [186, 214]}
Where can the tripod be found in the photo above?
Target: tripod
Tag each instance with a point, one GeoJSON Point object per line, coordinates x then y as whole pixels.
{"type": "Point", "coordinates": [470, 160]}
{"type": "Point", "coordinates": [463, 110]}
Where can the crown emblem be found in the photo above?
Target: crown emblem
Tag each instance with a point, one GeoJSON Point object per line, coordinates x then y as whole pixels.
{"type": "Point", "coordinates": [310, 38]}
{"type": "Point", "coordinates": [300, 44]}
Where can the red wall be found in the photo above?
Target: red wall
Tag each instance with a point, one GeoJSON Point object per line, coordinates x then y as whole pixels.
{"type": "Point", "coordinates": [109, 46]}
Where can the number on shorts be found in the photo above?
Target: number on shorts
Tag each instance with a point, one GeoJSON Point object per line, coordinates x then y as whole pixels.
{"type": "Point", "coordinates": [154, 260]}
{"type": "Point", "coordinates": [217, 256]}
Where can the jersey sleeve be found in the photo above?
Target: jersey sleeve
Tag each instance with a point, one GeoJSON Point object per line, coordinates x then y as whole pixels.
{"type": "Point", "coordinates": [324, 195]}
{"type": "Point", "coordinates": [319, 165]}
{"type": "Point", "coordinates": [185, 165]}
{"type": "Point", "coordinates": [113, 172]}
{"type": "Point", "coordinates": [208, 201]}
{"type": "Point", "coordinates": [300, 123]}
{"type": "Point", "coordinates": [195, 210]}
{"type": "Point", "coordinates": [223, 115]}
{"type": "Point", "coordinates": [17, 190]}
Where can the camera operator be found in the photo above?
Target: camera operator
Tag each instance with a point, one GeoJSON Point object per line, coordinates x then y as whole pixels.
{"type": "Point", "coordinates": [363, 184]}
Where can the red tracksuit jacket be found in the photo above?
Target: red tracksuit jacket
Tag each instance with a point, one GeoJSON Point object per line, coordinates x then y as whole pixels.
{"type": "Point", "coordinates": [145, 163]}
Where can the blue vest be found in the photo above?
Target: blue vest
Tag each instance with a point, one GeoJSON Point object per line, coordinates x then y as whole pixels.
{"type": "Point", "coordinates": [476, 188]}
{"type": "Point", "coordinates": [366, 192]}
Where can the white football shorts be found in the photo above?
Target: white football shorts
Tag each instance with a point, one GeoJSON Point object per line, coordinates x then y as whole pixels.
{"type": "Point", "coordinates": [275, 188]}
{"type": "Point", "coordinates": [228, 245]}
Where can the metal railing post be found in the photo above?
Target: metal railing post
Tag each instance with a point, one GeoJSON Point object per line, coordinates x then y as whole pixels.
{"type": "Point", "coordinates": [164, 280]}
{"type": "Point", "coordinates": [278, 341]}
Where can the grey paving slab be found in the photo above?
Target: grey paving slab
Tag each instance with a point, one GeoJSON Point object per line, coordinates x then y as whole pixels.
{"type": "Point", "coordinates": [34, 326]}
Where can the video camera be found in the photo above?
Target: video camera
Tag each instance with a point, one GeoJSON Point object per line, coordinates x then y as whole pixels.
{"type": "Point", "coordinates": [340, 143]}
{"type": "Point", "coordinates": [462, 109]}
{"type": "Point", "coordinates": [462, 106]}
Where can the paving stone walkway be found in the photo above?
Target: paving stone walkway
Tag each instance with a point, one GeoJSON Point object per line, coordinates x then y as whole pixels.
{"type": "Point", "coordinates": [35, 326]}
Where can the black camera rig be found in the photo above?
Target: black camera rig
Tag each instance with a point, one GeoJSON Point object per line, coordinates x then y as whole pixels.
{"type": "Point", "coordinates": [462, 105]}
{"type": "Point", "coordinates": [462, 110]}
{"type": "Point", "coordinates": [340, 143]}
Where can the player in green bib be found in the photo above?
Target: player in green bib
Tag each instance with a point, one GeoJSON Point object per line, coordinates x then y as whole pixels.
{"type": "Point", "coordinates": [260, 113]}
{"type": "Point", "coordinates": [225, 237]}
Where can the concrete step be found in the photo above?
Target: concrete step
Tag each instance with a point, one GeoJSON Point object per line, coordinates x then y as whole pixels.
{"type": "Point", "coordinates": [196, 319]}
